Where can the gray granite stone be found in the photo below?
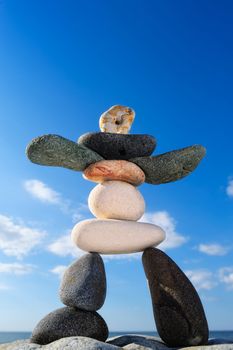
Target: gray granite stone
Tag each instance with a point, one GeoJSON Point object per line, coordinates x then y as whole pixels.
{"type": "Point", "coordinates": [131, 343]}
{"type": "Point", "coordinates": [118, 146]}
{"type": "Point", "coordinates": [170, 166]}
{"type": "Point", "coordinates": [84, 283]}
{"type": "Point", "coordinates": [178, 311]}
{"type": "Point", "coordinates": [69, 343]}
{"type": "Point", "coordinates": [129, 340]}
{"type": "Point", "coordinates": [68, 322]}
{"type": "Point", "coordinates": [55, 150]}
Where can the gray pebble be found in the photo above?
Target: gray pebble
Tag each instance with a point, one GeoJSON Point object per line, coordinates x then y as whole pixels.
{"type": "Point", "coordinates": [178, 312]}
{"type": "Point", "coordinates": [68, 322]}
{"type": "Point", "coordinates": [118, 146]}
{"type": "Point", "coordinates": [84, 283]}
{"type": "Point", "coordinates": [55, 150]}
{"type": "Point", "coordinates": [170, 166]}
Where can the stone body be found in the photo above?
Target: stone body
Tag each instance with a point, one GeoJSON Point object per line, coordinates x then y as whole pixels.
{"type": "Point", "coordinates": [55, 150]}
{"type": "Point", "coordinates": [116, 200]}
{"type": "Point", "coordinates": [170, 166]}
{"type": "Point", "coordinates": [178, 312]}
{"type": "Point", "coordinates": [118, 146]}
{"type": "Point", "coordinates": [118, 170]}
{"type": "Point", "coordinates": [126, 341]}
{"type": "Point", "coordinates": [68, 322]}
{"type": "Point", "coordinates": [117, 119]}
{"type": "Point", "coordinates": [115, 236]}
{"type": "Point", "coordinates": [84, 283]}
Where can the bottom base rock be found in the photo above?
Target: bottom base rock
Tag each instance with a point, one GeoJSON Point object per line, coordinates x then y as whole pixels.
{"type": "Point", "coordinates": [127, 342]}
{"type": "Point", "coordinates": [69, 322]}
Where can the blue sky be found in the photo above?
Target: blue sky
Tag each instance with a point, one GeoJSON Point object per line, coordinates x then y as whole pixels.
{"type": "Point", "coordinates": [62, 63]}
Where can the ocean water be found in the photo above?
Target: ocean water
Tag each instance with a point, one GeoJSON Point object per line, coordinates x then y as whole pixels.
{"type": "Point", "coordinates": [6, 337]}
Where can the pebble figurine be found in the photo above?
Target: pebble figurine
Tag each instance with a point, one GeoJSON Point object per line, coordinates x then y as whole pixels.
{"type": "Point", "coordinates": [119, 162]}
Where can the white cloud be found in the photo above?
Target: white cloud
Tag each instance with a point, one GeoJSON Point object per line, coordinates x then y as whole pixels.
{"type": "Point", "coordinates": [213, 249]}
{"type": "Point", "coordinates": [46, 194]}
{"type": "Point", "coordinates": [41, 191]}
{"type": "Point", "coordinates": [4, 287]}
{"type": "Point", "coordinates": [16, 268]}
{"type": "Point", "coordinates": [16, 238]}
{"type": "Point", "coordinates": [168, 224]}
{"type": "Point", "coordinates": [59, 270]}
{"type": "Point", "coordinates": [229, 189]}
{"type": "Point", "coordinates": [63, 246]}
{"type": "Point", "coordinates": [201, 279]}
{"type": "Point", "coordinates": [226, 276]}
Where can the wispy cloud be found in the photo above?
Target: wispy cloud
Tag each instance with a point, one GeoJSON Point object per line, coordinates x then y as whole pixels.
{"type": "Point", "coordinates": [59, 270]}
{"type": "Point", "coordinates": [213, 249]}
{"type": "Point", "coordinates": [16, 238]}
{"type": "Point", "coordinates": [168, 224]}
{"type": "Point", "coordinates": [4, 287]}
{"type": "Point", "coordinates": [226, 276]}
{"type": "Point", "coordinates": [41, 191]}
{"type": "Point", "coordinates": [16, 268]}
{"type": "Point", "coordinates": [201, 279]}
{"type": "Point", "coordinates": [46, 194]}
{"type": "Point", "coordinates": [63, 246]}
{"type": "Point", "coordinates": [229, 189]}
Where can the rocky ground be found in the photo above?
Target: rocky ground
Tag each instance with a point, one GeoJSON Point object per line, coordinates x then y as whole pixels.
{"type": "Point", "coordinates": [129, 342]}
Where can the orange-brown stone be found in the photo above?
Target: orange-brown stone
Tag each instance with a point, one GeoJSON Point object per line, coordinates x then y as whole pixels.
{"type": "Point", "coordinates": [118, 170]}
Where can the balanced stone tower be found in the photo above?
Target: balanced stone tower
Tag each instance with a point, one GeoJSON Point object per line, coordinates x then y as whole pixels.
{"type": "Point", "coordinates": [119, 162]}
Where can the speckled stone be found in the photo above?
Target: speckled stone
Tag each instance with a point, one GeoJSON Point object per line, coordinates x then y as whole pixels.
{"type": "Point", "coordinates": [69, 322]}
{"type": "Point", "coordinates": [55, 150]}
{"type": "Point", "coordinates": [117, 119]}
{"type": "Point", "coordinates": [118, 170]}
{"type": "Point", "coordinates": [84, 283]}
{"type": "Point", "coordinates": [170, 166]}
{"type": "Point", "coordinates": [68, 343]}
{"type": "Point", "coordinates": [118, 146]}
{"type": "Point", "coordinates": [110, 236]}
{"type": "Point", "coordinates": [179, 314]}
{"type": "Point", "coordinates": [116, 200]}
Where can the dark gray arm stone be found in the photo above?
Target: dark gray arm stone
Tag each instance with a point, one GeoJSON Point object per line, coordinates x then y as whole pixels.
{"type": "Point", "coordinates": [55, 150]}
{"type": "Point", "coordinates": [170, 166]}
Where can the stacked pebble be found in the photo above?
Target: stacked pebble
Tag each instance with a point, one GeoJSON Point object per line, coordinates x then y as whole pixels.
{"type": "Point", "coordinates": [120, 162]}
{"type": "Point", "coordinates": [117, 205]}
{"type": "Point", "coordinates": [83, 291]}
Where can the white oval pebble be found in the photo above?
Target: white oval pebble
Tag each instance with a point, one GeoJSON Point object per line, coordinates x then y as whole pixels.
{"type": "Point", "coordinates": [116, 200]}
{"type": "Point", "coordinates": [116, 236]}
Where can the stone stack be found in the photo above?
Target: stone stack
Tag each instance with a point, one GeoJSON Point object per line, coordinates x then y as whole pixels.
{"type": "Point", "coordinates": [119, 162]}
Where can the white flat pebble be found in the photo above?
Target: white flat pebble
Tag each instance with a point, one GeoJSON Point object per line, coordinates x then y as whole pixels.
{"type": "Point", "coordinates": [116, 236]}
{"type": "Point", "coordinates": [116, 200]}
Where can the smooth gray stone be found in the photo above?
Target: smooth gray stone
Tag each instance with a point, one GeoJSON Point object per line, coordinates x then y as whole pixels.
{"type": "Point", "coordinates": [84, 343]}
{"type": "Point", "coordinates": [149, 342]}
{"type": "Point", "coordinates": [55, 150]}
{"type": "Point", "coordinates": [178, 311]}
{"type": "Point", "coordinates": [118, 146]}
{"type": "Point", "coordinates": [84, 283]}
{"type": "Point", "coordinates": [69, 322]}
{"type": "Point", "coordinates": [170, 166]}
{"type": "Point", "coordinates": [69, 343]}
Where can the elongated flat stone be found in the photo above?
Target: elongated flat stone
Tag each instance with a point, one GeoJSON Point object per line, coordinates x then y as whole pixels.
{"type": "Point", "coordinates": [178, 312]}
{"type": "Point", "coordinates": [55, 150]}
{"type": "Point", "coordinates": [84, 283]}
{"type": "Point", "coordinates": [69, 322]}
{"type": "Point", "coordinates": [118, 146]}
{"type": "Point", "coordinates": [116, 236]}
{"type": "Point", "coordinates": [116, 200]}
{"type": "Point", "coordinates": [170, 166]}
{"type": "Point", "coordinates": [121, 170]}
